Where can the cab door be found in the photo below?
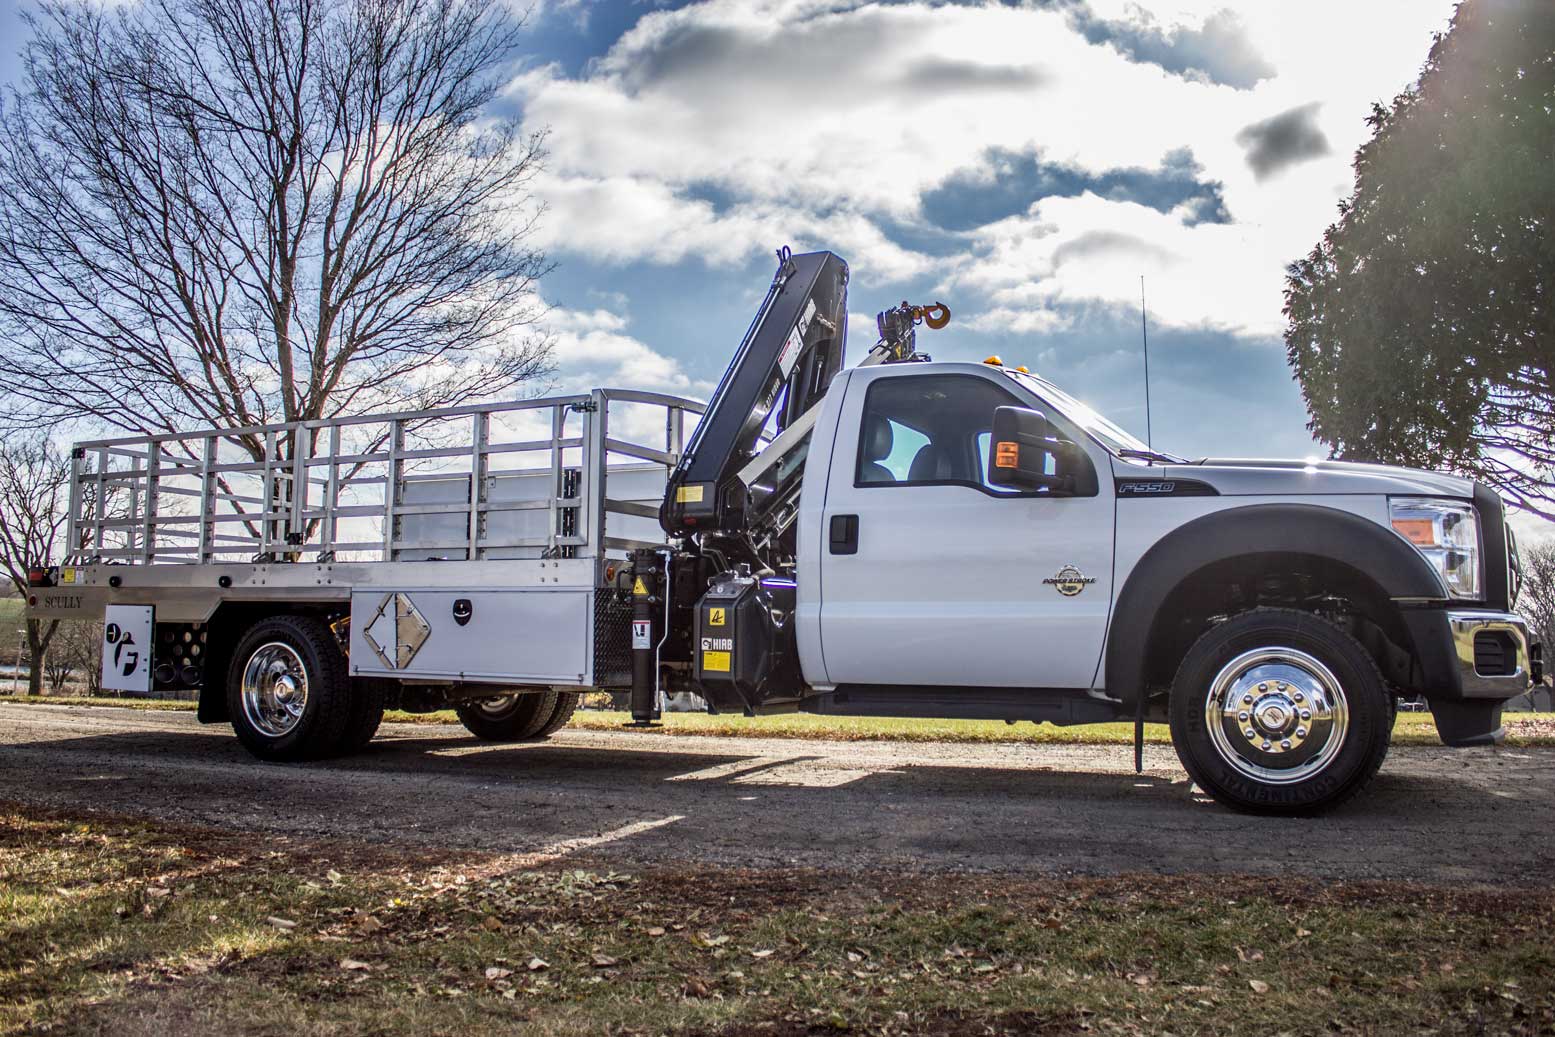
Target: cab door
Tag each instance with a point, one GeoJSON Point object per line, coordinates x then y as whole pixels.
{"type": "Point", "coordinates": [931, 576]}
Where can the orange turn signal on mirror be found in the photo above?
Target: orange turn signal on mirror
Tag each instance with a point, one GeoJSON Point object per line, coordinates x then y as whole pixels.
{"type": "Point", "coordinates": [1416, 531]}
{"type": "Point", "coordinates": [1006, 455]}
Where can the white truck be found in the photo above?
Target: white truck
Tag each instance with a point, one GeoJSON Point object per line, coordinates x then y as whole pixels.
{"type": "Point", "coordinates": [905, 538]}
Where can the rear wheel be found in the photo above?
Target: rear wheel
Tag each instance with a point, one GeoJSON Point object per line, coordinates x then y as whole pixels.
{"type": "Point", "coordinates": [287, 690]}
{"type": "Point", "coordinates": [566, 703]}
{"type": "Point", "coordinates": [367, 700]}
{"type": "Point", "coordinates": [1280, 712]}
{"type": "Point", "coordinates": [514, 717]}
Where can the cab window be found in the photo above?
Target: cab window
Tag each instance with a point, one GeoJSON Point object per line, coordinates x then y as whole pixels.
{"type": "Point", "coordinates": [928, 430]}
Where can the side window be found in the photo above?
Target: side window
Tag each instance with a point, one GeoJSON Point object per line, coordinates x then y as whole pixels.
{"type": "Point", "coordinates": [930, 430]}
{"type": "Point", "coordinates": [906, 443]}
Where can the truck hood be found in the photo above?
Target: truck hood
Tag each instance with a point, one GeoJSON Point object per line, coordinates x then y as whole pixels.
{"type": "Point", "coordinates": [1238, 476]}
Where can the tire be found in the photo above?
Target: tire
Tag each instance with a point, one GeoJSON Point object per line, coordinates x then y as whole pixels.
{"type": "Point", "coordinates": [1282, 665]}
{"type": "Point", "coordinates": [566, 703]}
{"type": "Point", "coordinates": [515, 717]}
{"type": "Point", "coordinates": [288, 694]}
{"type": "Point", "coordinates": [367, 700]}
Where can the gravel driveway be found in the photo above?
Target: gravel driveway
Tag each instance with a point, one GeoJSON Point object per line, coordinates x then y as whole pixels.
{"type": "Point", "coordinates": [1480, 815]}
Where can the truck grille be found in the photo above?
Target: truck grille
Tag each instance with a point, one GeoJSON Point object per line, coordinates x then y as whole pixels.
{"type": "Point", "coordinates": [1494, 654]}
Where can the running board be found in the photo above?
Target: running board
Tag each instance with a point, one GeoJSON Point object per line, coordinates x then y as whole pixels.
{"type": "Point", "coordinates": [1061, 706]}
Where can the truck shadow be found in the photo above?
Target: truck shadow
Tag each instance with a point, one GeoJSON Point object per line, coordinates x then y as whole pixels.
{"type": "Point", "coordinates": [694, 774]}
{"type": "Point", "coordinates": [792, 805]}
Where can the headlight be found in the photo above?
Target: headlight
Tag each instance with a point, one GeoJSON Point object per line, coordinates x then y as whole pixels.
{"type": "Point", "coordinates": [1446, 532]}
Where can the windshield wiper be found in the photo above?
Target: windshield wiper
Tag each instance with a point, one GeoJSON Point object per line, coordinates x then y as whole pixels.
{"type": "Point", "coordinates": [1152, 455]}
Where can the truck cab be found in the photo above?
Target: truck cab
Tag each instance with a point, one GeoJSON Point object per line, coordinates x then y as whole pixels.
{"type": "Point", "coordinates": [917, 568]}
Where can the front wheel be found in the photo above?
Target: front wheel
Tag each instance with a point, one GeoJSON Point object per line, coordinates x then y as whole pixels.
{"type": "Point", "coordinates": [1280, 712]}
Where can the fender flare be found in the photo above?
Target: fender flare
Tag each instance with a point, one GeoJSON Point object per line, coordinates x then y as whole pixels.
{"type": "Point", "coordinates": [1373, 550]}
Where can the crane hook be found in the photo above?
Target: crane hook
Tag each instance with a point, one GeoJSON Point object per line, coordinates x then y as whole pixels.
{"type": "Point", "coordinates": [935, 316]}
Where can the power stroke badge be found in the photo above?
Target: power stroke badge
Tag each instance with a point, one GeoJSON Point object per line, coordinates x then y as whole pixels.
{"type": "Point", "coordinates": [1069, 581]}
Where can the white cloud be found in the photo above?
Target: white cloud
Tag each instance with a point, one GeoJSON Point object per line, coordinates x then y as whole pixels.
{"type": "Point", "coordinates": [593, 350]}
{"type": "Point", "coordinates": [632, 219]}
{"type": "Point", "coordinates": [1530, 529]}
{"type": "Point", "coordinates": [559, 320]}
{"type": "Point", "coordinates": [819, 122]}
{"type": "Point", "coordinates": [1067, 253]}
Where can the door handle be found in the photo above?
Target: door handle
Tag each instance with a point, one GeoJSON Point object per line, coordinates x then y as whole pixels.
{"type": "Point", "coordinates": [844, 534]}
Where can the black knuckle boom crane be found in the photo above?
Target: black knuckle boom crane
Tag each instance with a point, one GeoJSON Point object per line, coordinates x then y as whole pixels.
{"type": "Point", "coordinates": [713, 609]}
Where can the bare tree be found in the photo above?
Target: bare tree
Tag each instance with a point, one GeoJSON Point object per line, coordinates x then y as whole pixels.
{"type": "Point", "coordinates": [34, 483]}
{"type": "Point", "coordinates": [75, 655]}
{"type": "Point", "coordinates": [59, 665]}
{"type": "Point", "coordinates": [233, 212]}
{"type": "Point", "coordinates": [1537, 600]}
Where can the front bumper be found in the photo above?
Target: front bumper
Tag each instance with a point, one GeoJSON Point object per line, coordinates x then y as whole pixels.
{"type": "Point", "coordinates": [1509, 660]}
{"type": "Point", "coordinates": [1471, 661]}
{"type": "Point", "coordinates": [1470, 654]}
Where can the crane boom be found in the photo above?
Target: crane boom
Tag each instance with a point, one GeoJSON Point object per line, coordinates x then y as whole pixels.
{"type": "Point", "coordinates": [782, 368]}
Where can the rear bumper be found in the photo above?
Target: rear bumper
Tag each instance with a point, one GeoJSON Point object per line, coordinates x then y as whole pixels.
{"type": "Point", "coordinates": [1471, 662]}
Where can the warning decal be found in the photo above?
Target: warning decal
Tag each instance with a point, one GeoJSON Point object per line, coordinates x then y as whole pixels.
{"type": "Point", "coordinates": [639, 588]}
{"type": "Point", "coordinates": [716, 661]}
{"type": "Point", "coordinates": [715, 617]}
{"type": "Point", "coordinates": [642, 634]}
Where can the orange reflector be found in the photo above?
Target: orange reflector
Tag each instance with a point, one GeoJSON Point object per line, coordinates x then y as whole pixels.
{"type": "Point", "coordinates": [1006, 455]}
{"type": "Point", "coordinates": [994, 360]}
{"type": "Point", "coordinates": [1023, 369]}
{"type": "Point", "coordinates": [1417, 531]}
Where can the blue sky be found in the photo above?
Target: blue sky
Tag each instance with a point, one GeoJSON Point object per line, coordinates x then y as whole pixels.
{"type": "Point", "coordinates": [1025, 163]}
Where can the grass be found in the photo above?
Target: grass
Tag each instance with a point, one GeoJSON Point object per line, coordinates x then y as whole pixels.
{"type": "Point", "coordinates": [108, 925]}
{"type": "Point", "coordinates": [1524, 730]}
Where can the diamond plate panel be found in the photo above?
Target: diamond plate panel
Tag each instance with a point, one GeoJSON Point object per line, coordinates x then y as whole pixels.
{"type": "Point", "coordinates": [397, 631]}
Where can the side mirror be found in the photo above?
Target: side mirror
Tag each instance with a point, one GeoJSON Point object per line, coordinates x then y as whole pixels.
{"type": "Point", "coordinates": [1019, 449]}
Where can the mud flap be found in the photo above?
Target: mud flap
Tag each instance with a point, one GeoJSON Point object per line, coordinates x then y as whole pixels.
{"type": "Point", "coordinates": [1468, 723]}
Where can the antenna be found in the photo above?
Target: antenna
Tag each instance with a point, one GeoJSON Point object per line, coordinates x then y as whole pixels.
{"type": "Point", "coordinates": [1144, 335]}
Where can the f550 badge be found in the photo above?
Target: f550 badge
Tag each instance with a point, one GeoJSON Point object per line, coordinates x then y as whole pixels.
{"type": "Point", "coordinates": [1069, 581]}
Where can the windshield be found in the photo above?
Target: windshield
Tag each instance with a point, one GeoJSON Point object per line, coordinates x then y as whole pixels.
{"type": "Point", "coordinates": [1103, 431]}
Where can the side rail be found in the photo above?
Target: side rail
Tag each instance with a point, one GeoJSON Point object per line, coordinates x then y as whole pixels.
{"type": "Point", "coordinates": [524, 479]}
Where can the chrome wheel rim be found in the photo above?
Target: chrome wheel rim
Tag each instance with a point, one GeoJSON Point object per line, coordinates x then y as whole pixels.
{"type": "Point", "coordinates": [1277, 715]}
{"type": "Point", "coordinates": [499, 706]}
{"type": "Point", "coordinates": [275, 689]}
